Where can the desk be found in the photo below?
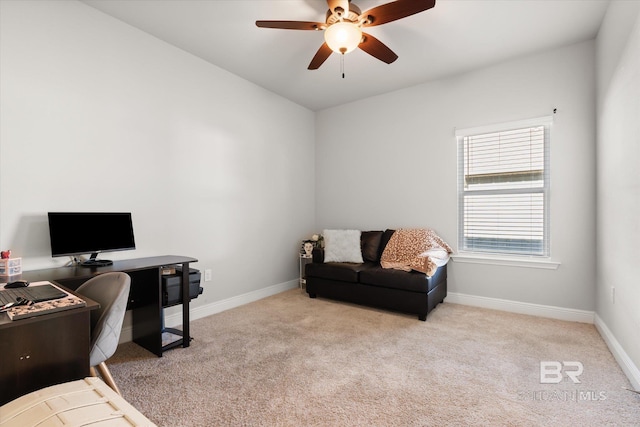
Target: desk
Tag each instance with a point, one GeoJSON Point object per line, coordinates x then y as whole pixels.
{"type": "Point", "coordinates": [145, 295]}
{"type": "Point", "coordinates": [44, 350]}
{"type": "Point", "coordinates": [54, 348]}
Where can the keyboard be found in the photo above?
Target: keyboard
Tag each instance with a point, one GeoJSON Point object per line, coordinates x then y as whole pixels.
{"type": "Point", "coordinates": [35, 294]}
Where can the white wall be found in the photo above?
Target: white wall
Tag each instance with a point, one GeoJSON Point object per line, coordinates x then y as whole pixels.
{"type": "Point", "coordinates": [97, 115]}
{"type": "Point", "coordinates": [390, 161]}
{"type": "Point", "coordinates": [618, 183]}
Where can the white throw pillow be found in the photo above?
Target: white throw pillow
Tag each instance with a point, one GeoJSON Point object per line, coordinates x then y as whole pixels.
{"type": "Point", "coordinates": [342, 246]}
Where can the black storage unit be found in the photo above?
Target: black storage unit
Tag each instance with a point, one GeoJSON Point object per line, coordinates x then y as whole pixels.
{"type": "Point", "coordinates": [171, 289]}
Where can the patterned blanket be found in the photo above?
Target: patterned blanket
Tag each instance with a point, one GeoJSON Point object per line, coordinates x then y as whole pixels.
{"type": "Point", "coordinates": [419, 249]}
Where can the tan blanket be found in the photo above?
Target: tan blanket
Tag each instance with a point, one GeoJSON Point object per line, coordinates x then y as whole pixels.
{"type": "Point", "coordinates": [419, 249]}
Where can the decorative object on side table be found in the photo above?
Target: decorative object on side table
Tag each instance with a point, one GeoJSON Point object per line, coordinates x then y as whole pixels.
{"type": "Point", "coordinates": [315, 241]}
{"type": "Point", "coordinates": [307, 247]}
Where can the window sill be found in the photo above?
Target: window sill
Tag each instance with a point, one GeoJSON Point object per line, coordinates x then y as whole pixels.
{"type": "Point", "coordinates": [528, 262]}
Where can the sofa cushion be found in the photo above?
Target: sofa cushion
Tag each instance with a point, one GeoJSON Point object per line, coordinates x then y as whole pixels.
{"type": "Point", "coordinates": [386, 236]}
{"type": "Point", "coordinates": [344, 272]}
{"type": "Point", "coordinates": [318, 255]}
{"type": "Point", "coordinates": [370, 242]}
{"type": "Point", "coordinates": [397, 279]}
{"type": "Point", "coordinates": [342, 246]}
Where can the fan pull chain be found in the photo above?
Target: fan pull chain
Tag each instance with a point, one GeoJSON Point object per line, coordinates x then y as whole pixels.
{"type": "Point", "coordinates": [342, 65]}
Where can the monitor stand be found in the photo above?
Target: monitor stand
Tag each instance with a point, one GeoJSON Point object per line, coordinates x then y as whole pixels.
{"type": "Point", "coordinates": [93, 261]}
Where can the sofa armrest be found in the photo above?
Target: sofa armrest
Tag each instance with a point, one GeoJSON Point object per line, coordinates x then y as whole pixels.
{"type": "Point", "coordinates": [318, 255]}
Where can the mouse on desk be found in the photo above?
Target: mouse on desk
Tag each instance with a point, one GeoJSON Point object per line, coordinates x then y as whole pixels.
{"type": "Point", "coordinates": [17, 284]}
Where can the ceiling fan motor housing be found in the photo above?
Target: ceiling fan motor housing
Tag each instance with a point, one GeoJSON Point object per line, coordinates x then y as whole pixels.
{"type": "Point", "coordinates": [351, 16]}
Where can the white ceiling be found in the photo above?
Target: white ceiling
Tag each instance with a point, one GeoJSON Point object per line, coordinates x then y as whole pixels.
{"type": "Point", "coordinates": [454, 37]}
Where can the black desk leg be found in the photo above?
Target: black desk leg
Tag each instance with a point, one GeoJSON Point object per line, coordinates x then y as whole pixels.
{"type": "Point", "coordinates": [186, 297]}
{"type": "Point", "coordinates": [146, 297]}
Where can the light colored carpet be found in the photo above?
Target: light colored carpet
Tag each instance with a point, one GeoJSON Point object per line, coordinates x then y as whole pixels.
{"type": "Point", "coordinates": [289, 360]}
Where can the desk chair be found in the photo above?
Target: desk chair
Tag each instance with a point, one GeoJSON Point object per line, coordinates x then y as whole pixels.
{"type": "Point", "coordinates": [111, 290]}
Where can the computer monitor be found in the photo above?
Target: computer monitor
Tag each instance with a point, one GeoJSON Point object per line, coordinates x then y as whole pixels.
{"type": "Point", "coordinates": [79, 233]}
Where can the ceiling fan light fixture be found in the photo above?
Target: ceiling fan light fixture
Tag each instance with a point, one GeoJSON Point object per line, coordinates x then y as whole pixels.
{"type": "Point", "coordinates": [343, 37]}
{"type": "Point", "coordinates": [343, 28]}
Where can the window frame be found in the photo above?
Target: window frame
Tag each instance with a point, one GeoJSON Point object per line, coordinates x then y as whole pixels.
{"type": "Point", "coordinates": [473, 255]}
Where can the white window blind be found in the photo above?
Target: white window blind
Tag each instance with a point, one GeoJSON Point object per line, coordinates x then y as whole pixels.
{"type": "Point", "coordinates": [503, 186]}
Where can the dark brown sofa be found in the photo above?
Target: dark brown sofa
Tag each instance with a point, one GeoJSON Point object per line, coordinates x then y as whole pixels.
{"type": "Point", "coordinates": [370, 284]}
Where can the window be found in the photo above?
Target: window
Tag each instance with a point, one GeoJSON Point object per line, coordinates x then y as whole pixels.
{"type": "Point", "coordinates": [503, 188]}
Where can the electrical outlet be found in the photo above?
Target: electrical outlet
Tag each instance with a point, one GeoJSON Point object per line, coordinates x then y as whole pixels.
{"type": "Point", "coordinates": [207, 275]}
{"type": "Point", "coordinates": [613, 295]}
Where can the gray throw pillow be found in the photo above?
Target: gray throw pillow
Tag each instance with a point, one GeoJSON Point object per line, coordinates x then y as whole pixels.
{"type": "Point", "coordinates": [342, 246]}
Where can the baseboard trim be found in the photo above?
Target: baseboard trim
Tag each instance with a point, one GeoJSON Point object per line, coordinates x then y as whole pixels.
{"type": "Point", "coordinates": [626, 364]}
{"type": "Point", "coordinates": [229, 303]}
{"type": "Point", "coordinates": [539, 310]}
{"type": "Point", "coordinates": [175, 319]}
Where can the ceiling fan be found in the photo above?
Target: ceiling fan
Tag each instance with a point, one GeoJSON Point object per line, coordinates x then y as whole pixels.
{"type": "Point", "coordinates": [344, 23]}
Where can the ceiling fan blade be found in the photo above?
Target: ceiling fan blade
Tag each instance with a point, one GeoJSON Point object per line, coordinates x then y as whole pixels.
{"type": "Point", "coordinates": [393, 11]}
{"type": "Point", "coordinates": [291, 25]}
{"type": "Point", "coordinates": [343, 4]}
{"type": "Point", "coordinates": [377, 49]}
{"type": "Point", "coordinates": [321, 55]}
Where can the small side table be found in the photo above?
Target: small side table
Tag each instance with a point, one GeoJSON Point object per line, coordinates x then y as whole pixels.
{"type": "Point", "coordinates": [304, 260]}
